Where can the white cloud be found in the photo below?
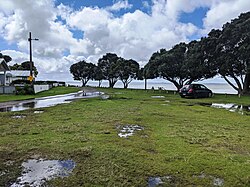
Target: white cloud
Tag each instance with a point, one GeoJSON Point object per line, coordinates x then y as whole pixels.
{"type": "Point", "coordinates": [132, 35]}
{"type": "Point", "coordinates": [224, 11]}
{"type": "Point", "coordinates": [123, 4]}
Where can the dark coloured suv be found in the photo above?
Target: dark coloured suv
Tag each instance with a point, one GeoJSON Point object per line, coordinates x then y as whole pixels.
{"type": "Point", "coordinates": [195, 91]}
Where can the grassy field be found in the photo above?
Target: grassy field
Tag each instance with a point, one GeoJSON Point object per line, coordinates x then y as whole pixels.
{"type": "Point", "coordinates": [183, 142]}
{"type": "Point", "coordinates": [53, 91]}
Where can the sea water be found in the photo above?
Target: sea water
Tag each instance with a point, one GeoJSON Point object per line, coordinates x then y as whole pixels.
{"type": "Point", "coordinates": [215, 86]}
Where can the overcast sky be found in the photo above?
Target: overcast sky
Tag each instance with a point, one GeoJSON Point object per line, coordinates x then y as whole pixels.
{"type": "Point", "coordinates": [70, 31]}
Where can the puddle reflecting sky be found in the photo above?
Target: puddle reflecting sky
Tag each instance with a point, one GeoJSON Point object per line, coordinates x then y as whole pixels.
{"type": "Point", "coordinates": [129, 130]}
{"type": "Point", "coordinates": [37, 172]}
{"type": "Point", "coordinates": [48, 101]}
{"type": "Point", "coordinates": [232, 107]}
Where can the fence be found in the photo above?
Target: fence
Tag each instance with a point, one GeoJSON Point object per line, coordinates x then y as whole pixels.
{"type": "Point", "coordinates": [7, 89]}
{"type": "Point", "coordinates": [40, 88]}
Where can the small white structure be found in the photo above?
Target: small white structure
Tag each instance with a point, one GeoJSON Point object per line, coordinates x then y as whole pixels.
{"type": "Point", "coordinates": [41, 88]}
{"type": "Point", "coordinates": [17, 75]}
{"type": "Point", "coordinates": [3, 69]}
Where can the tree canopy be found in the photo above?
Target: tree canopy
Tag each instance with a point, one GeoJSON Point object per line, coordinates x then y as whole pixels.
{"type": "Point", "coordinates": [128, 70]}
{"type": "Point", "coordinates": [24, 66]}
{"type": "Point", "coordinates": [7, 58]}
{"type": "Point", "coordinates": [181, 65]}
{"type": "Point", "coordinates": [233, 53]}
{"type": "Point", "coordinates": [109, 67]}
{"type": "Point", "coordinates": [82, 71]}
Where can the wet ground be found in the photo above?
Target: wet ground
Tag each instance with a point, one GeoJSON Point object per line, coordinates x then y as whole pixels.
{"type": "Point", "coordinates": [170, 180]}
{"type": "Point", "coordinates": [46, 101]}
{"type": "Point", "coordinates": [37, 172]}
{"type": "Point", "coordinates": [230, 107]}
{"type": "Point", "coordinates": [129, 130]}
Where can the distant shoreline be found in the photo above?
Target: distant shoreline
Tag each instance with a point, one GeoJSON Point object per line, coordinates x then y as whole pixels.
{"type": "Point", "coordinates": [221, 88]}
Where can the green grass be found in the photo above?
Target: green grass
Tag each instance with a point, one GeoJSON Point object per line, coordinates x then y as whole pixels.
{"type": "Point", "coordinates": [181, 139]}
{"type": "Point", "coordinates": [51, 92]}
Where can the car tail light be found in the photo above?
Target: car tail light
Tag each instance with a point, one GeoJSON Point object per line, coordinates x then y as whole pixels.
{"type": "Point", "coordinates": [190, 91]}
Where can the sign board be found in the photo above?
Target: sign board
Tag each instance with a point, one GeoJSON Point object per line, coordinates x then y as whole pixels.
{"type": "Point", "coordinates": [30, 78]}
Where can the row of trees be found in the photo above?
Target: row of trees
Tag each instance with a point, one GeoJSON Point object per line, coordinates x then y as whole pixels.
{"type": "Point", "coordinates": [110, 67]}
{"type": "Point", "coordinates": [223, 52]}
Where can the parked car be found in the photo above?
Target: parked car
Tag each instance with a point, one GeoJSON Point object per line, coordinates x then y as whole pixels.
{"type": "Point", "coordinates": [195, 91]}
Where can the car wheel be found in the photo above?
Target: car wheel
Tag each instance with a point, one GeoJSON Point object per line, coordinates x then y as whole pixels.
{"type": "Point", "coordinates": [210, 94]}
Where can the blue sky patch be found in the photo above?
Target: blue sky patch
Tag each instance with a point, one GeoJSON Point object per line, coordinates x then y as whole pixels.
{"type": "Point", "coordinates": [195, 17]}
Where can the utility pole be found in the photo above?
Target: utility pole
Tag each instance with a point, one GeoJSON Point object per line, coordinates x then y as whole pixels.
{"type": "Point", "coordinates": [31, 65]}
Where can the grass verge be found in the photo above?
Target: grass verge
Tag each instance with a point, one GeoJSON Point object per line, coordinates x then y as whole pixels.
{"type": "Point", "coordinates": [187, 143]}
{"type": "Point", "coordinates": [51, 92]}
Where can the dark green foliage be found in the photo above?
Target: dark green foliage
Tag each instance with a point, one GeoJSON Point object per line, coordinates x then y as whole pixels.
{"type": "Point", "coordinates": [98, 75]}
{"type": "Point", "coordinates": [233, 53]}
{"type": "Point", "coordinates": [128, 70]}
{"type": "Point", "coordinates": [181, 65]}
{"type": "Point", "coordinates": [173, 66]}
{"type": "Point", "coordinates": [108, 65]}
{"type": "Point", "coordinates": [7, 58]}
{"type": "Point", "coordinates": [24, 66]}
{"type": "Point", "coordinates": [198, 65]}
{"type": "Point", "coordinates": [82, 71]}
{"type": "Point", "coordinates": [27, 89]}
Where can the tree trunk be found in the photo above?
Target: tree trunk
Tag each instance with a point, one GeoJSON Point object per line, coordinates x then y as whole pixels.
{"type": "Point", "coordinates": [125, 85]}
{"type": "Point", "coordinates": [112, 83]}
{"type": "Point", "coordinates": [99, 84]}
{"type": "Point", "coordinates": [238, 89]}
{"type": "Point", "coordinates": [178, 86]}
{"type": "Point", "coordinates": [83, 83]}
{"type": "Point", "coordinates": [145, 84]}
{"type": "Point", "coordinates": [246, 89]}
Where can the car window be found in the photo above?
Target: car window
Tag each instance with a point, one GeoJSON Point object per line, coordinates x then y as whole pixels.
{"type": "Point", "coordinates": [203, 87]}
{"type": "Point", "coordinates": [196, 86]}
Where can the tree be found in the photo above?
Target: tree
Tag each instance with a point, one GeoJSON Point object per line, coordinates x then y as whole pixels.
{"type": "Point", "coordinates": [200, 63]}
{"type": "Point", "coordinates": [128, 70]}
{"type": "Point", "coordinates": [232, 52]}
{"type": "Point", "coordinates": [98, 76]}
{"type": "Point", "coordinates": [24, 66]}
{"type": "Point", "coordinates": [173, 66]}
{"type": "Point", "coordinates": [109, 67]}
{"type": "Point", "coordinates": [7, 58]}
{"type": "Point", "coordinates": [82, 71]}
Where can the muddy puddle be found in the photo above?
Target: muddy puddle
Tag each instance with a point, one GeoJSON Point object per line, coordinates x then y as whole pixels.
{"type": "Point", "coordinates": [230, 107]}
{"type": "Point", "coordinates": [129, 130]}
{"type": "Point", "coordinates": [159, 181]}
{"type": "Point", "coordinates": [47, 101]}
{"type": "Point", "coordinates": [158, 96]}
{"type": "Point", "coordinates": [170, 180]}
{"type": "Point", "coordinates": [18, 117]}
{"type": "Point", "coordinates": [215, 181]}
{"type": "Point", "coordinates": [37, 172]}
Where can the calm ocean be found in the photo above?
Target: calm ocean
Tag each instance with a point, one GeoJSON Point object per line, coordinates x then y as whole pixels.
{"type": "Point", "coordinates": [219, 87]}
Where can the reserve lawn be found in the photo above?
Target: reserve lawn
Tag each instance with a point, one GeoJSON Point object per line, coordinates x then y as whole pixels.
{"type": "Point", "coordinates": [184, 141]}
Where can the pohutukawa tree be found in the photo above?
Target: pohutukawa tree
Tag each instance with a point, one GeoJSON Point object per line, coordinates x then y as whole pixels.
{"type": "Point", "coordinates": [98, 75]}
{"type": "Point", "coordinates": [183, 64]}
{"type": "Point", "coordinates": [232, 53]}
{"type": "Point", "coordinates": [128, 71]}
{"type": "Point", "coordinates": [169, 65]}
{"type": "Point", "coordinates": [109, 67]}
{"type": "Point", "coordinates": [82, 71]}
